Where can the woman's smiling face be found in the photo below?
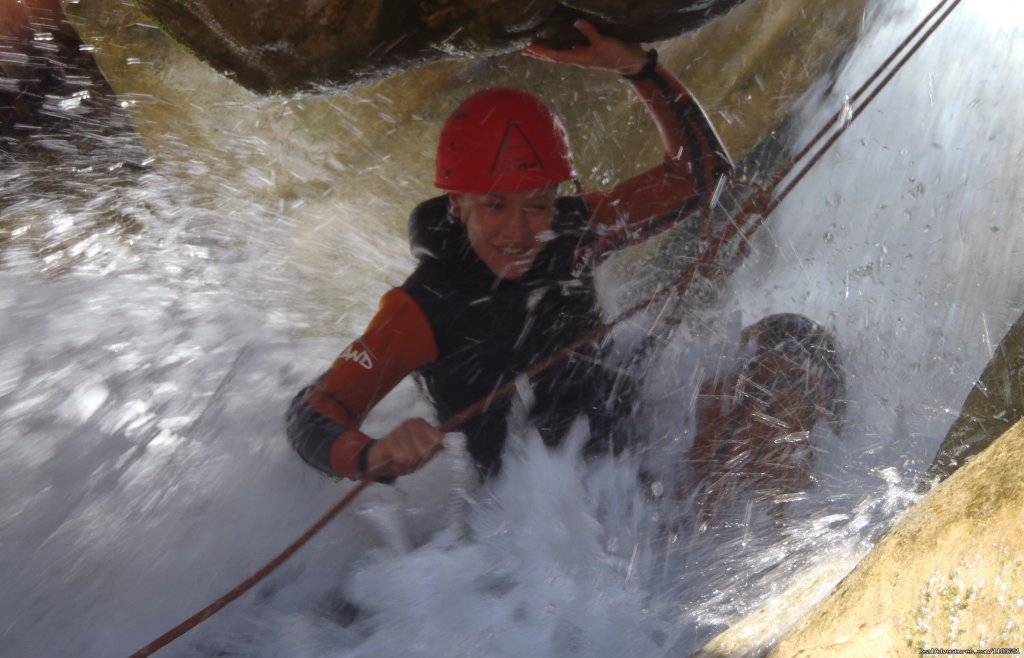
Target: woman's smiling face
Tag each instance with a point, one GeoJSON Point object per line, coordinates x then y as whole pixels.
{"type": "Point", "coordinates": [507, 230]}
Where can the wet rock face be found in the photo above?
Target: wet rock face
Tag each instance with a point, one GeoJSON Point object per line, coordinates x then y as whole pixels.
{"type": "Point", "coordinates": [949, 575]}
{"type": "Point", "coordinates": [276, 46]}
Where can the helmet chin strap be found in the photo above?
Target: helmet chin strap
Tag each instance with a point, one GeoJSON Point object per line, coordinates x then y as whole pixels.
{"type": "Point", "coordinates": [454, 208]}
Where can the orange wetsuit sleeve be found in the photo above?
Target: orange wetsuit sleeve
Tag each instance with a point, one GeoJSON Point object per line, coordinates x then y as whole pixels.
{"type": "Point", "coordinates": [324, 419]}
{"type": "Point", "coordinates": [695, 159]}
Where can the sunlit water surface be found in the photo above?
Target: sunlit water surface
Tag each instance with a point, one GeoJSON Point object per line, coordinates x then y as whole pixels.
{"type": "Point", "coordinates": [148, 354]}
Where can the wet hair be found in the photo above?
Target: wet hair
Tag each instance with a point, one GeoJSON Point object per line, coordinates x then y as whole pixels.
{"type": "Point", "coordinates": [803, 338]}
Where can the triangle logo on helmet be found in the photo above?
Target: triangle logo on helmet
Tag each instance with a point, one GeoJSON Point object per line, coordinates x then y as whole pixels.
{"type": "Point", "coordinates": [516, 152]}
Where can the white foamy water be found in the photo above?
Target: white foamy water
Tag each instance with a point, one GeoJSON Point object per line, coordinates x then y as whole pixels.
{"type": "Point", "coordinates": [150, 340]}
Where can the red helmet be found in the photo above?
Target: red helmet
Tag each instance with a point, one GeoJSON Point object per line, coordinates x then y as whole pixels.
{"type": "Point", "coordinates": [502, 140]}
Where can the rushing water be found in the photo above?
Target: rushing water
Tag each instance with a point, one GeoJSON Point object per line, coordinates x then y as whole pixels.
{"type": "Point", "coordinates": [155, 325]}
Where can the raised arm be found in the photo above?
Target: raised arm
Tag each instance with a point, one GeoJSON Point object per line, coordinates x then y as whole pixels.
{"type": "Point", "coordinates": [694, 160]}
{"type": "Point", "coordinates": [323, 420]}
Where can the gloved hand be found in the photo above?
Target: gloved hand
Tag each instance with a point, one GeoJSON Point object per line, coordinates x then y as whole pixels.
{"type": "Point", "coordinates": [405, 449]}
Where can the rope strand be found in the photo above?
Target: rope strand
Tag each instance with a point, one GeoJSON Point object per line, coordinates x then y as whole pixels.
{"type": "Point", "coordinates": [835, 120]}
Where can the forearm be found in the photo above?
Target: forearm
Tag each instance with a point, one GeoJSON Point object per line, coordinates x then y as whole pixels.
{"type": "Point", "coordinates": [695, 160]}
{"type": "Point", "coordinates": [326, 442]}
{"type": "Point", "coordinates": [323, 420]}
{"type": "Point", "coordinates": [685, 130]}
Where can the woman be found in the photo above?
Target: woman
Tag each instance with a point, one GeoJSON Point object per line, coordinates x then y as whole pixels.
{"type": "Point", "coordinates": [506, 274]}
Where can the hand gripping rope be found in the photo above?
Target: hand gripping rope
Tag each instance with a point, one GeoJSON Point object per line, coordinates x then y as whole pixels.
{"type": "Point", "coordinates": [752, 214]}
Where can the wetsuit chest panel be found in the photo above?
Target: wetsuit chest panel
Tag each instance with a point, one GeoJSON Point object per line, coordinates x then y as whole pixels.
{"type": "Point", "coordinates": [489, 331]}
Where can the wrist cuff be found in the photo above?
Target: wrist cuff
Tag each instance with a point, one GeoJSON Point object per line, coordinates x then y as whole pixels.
{"type": "Point", "coordinates": [647, 71]}
{"type": "Point", "coordinates": [362, 465]}
{"type": "Point", "coordinates": [361, 460]}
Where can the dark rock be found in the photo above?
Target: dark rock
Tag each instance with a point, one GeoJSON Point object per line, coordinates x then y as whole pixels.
{"type": "Point", "coordinates": [63, 131]}
{"type": "Point", "coordinates": [332, 44]}
{"type": "Point", "coordinates": [994, 405]}
{"type": "Point", "coordinates": [48, 78]}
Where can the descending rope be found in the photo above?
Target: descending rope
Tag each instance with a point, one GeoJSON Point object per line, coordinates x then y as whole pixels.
{"type": "Point", "coordinates": [842, 122]}
{"type": "Point", "coordinates": [256, 577]}
{"type": "Point", "coordinates": [752, 214]}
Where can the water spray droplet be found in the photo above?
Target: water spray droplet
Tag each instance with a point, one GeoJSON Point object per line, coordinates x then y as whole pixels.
{"type": "Point", "coordinates": [846, 116]}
